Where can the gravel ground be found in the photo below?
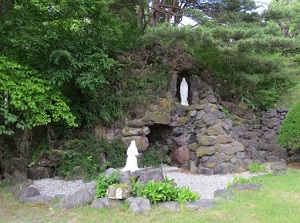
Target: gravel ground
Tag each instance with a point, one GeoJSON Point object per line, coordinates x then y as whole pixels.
{"type": "Point", "coordinates": [52, 187]}
{"type": "Point", "coordinates": [202, 184]}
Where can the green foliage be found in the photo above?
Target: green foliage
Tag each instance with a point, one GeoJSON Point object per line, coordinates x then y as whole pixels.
{"type": "Point", "coordinates": [28, 100]}
{"type": "Point", "coordinates": [73, 51]}
{"type": "Point", "coordinates": [289, 134]}
{"type": "Point", "coordinates": [155, 157]}
{"type": "Point", "coordinates": [290, 98]}
{"type": "Point", "coordinates": [115, 152]}
{"type": "Point", "coordinates": [285, 13]}
{"type": "Point", "coordinates": [159, 191]}
{"type": "Point", "coordinates": [103, 182]}
{"type": "Point", "coordinates": [37, 153]}
{"type": "Point", "coordinates": [185, 194]}
{"type": "Point", "coordinates": [242, 180]}
{"type": "Point", "coordinates": [243, 55]}
{"type": "Point", "coordinates": [85, 154]}
{"type": "Point", "coordinates": [236, 179]}
{"type": "Point", "coordinates": [257, 168]}
{"type": "Point", "coordinates": [163, 191]}
{"type": "Point", "coordinates": [231, 117]}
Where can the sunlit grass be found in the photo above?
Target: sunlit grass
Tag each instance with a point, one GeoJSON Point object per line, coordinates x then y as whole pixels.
{"type": "Point", "coordinates": [278, 201]}
{"type": "Point", "coordinates": [290, 97]}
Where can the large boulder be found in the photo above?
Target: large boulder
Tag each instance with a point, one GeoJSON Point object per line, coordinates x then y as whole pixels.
{"type": "Point", "coordinates": [14, 170]}
{"type": "Point", "coordinates": [39, 172]}
{"type": "Point", "coordinates": [79, 198]}
{"type": "Point", "coordinates": [138, 205]}
{"type": "Point", "coordinates": [26, 192]}
{"type": "Point", "coordinates": [180, 156]}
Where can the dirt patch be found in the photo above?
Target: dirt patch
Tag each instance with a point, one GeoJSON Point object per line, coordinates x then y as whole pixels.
{"type": "Point", "coordinates": [295, 164]}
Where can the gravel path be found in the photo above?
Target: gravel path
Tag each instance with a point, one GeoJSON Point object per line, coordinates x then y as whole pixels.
{"type": "Point", "coordinates": [202, 184]}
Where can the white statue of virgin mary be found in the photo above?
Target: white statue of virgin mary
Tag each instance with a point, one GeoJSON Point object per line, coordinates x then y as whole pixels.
{"type": "Point", "coordinates": [184, 89]}
{"type": "Point", "coordinates": [131, 162]}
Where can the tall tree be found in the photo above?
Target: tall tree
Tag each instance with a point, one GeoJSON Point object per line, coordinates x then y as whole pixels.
{"type": "Point", "coordinates": [286, 14]}
{"type": "Point", "coordinates": [70, 46]}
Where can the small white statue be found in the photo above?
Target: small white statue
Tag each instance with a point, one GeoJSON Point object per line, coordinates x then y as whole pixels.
{"type": "Point", "coordinates": [131, 162]}
{"type": "Point", "coordinates": [184, 89]}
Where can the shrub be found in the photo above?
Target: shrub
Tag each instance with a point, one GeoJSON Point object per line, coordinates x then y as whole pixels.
{"type": "Point", "coordinates": [163, 191]}
{"type": "Point", "coordinates": [185, 194]}
{"type": "Point", "coordinates": [155, 157]}
{"type": "Point", "coordinates": [257, 168]}
{"type": "Point", "coordinates": [115, 152]}
{"type": "Point", "coordinates": [84, 155]}
{"type": "Point", "coordinates": [289, 135]}
{"type": "Point", "coordinates": [103, 182]}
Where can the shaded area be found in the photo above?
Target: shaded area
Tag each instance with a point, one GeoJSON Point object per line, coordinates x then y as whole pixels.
{"type": "Point", "coordinates": [295, 164]}
{"type": "Point", "coordinates": [159, 135]}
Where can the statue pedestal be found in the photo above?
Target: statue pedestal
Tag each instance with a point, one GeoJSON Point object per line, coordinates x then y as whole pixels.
{"type": "Point", "coordinates": [118, 191]}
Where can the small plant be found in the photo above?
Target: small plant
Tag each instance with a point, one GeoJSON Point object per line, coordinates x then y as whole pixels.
{"type": "Point", "coordinates": [163, 191]}
{"type": "Point", "coordinates": [257, 168]}
{"type": "Point", "coordinates": [160, 191]}
{"type": "Point", "coordinates": [233, 118]}
{"type": "Point", "coordinates": [185, 194]}
{"type": "Point", "coordinates": [136, 187]}
{"type": "Point", "coordinates": [103, 182]}
{"type": "Point", "coordinates": [236, 179]}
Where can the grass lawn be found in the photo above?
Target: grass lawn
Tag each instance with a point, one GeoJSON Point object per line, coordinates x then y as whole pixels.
{"type": "Point", "coordinates": [278, 201]}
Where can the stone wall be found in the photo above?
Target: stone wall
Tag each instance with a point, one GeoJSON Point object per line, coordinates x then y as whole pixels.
{"type": "Point", "coordinates": [203, 139]}
{"type": "Point", "coordinates": [260, 138]}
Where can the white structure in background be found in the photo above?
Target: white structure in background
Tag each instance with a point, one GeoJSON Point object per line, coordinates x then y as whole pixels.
{"type": "Point", "coordinates": [131, 162]}
{"type": "Point", "coordinates": [184, 89]}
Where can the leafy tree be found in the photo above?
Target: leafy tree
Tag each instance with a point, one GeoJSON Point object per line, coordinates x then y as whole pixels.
{"type": "Point", "coordinates": [223, 11]}
{"type": "Point", "coordinates": [27, 100]}
{"type": "Point", "coordinates": [73, 46]}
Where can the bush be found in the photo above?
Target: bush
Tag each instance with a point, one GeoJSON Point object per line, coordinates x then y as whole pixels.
{"type": "Point", "coordinates": [84, 157]}
{"type": "Point", "coordinates": [163, 191]}
{"type": "Point", "coordinates": [103, 182]}
{"type": "Point", "coordinates": [81, 158]}
{"type": "Point", "coordinates": [289, 135]}
{"type": "Point", "coordinates": [155, 157]}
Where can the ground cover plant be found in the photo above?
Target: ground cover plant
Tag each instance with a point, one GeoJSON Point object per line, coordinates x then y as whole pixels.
{"type": "Point", "coordinates": [278, 201]}
{"type": "Point", "coordinates": [257, 168]}
{"type": "Point", "coordinates": [241, 180]}
{"type": "Point", "coordinates": [163, 191]}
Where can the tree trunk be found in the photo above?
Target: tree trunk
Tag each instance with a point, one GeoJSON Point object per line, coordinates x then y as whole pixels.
{"type": "Point", "coordinates": [141, 17]}
{"type": "Point", "coordinates": [154, 16]}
